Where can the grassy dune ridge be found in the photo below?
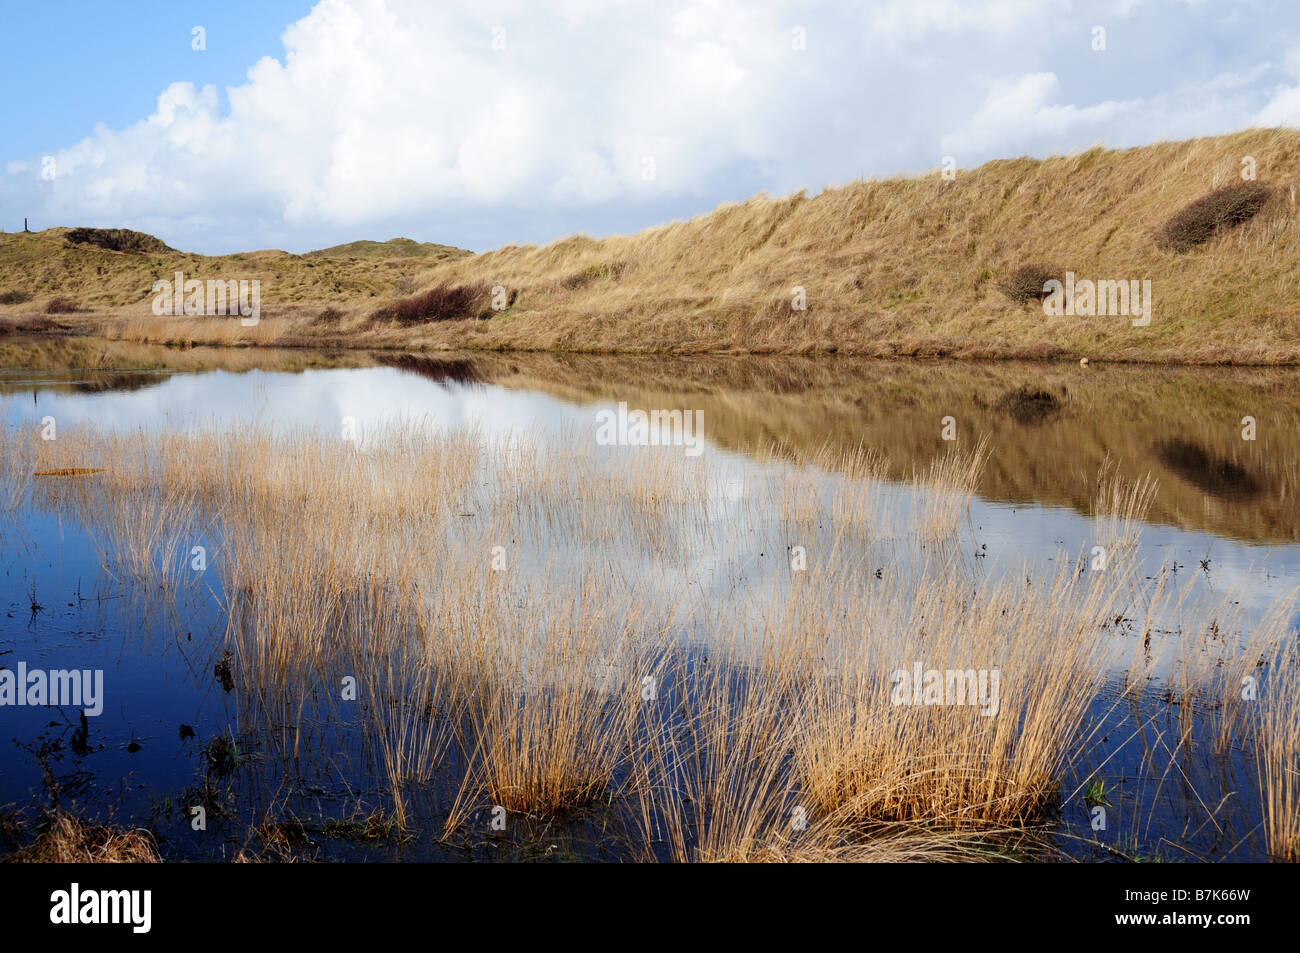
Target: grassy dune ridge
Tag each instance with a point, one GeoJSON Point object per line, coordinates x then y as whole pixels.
{"type": "Point", "coordinates": [100, 281]}
{"type": "Point", "coordinates": [892, 267]}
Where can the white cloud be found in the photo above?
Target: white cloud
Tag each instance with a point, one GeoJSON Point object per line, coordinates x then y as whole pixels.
{"type": "Point", "coordinates": [399, 115]}
{"type": "Point", "coordinates": [1283, 108]}
{"type": "Point", "coordinates": [1025, 114]}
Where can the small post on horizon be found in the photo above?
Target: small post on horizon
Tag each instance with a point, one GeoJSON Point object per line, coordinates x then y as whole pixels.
{"type": "Point", "coordinates": [25, 228]}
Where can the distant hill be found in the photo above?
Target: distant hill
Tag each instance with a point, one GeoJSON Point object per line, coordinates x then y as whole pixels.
{"type": "Point", "coordinates": [99, 269]}
{"type": "Point", "coordinates": [116, 239]}
{"type": "Point", "coordinates": [393, 248]}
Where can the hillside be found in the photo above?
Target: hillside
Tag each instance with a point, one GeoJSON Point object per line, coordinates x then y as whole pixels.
{"type": "Point", "coordinates": [107, 272]}
{"type": "Point", "coordinates": [894, 267]}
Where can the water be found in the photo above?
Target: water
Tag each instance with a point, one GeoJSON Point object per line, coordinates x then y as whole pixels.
{"type": "Point", "coordinates": [1225, 520]}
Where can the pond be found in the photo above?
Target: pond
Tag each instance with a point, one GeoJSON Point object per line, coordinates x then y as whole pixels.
{"type": "Point", "coordinates": [859, 514]}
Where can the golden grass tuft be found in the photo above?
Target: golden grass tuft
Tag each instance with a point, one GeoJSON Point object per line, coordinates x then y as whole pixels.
{"type": "Point", "coordinates": [66, 839]}
{"type": "Point", "coordinates": [1277, 746]}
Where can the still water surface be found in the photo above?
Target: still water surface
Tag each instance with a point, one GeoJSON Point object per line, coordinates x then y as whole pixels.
{"type": "Point", "coordinates": [1225, 517]}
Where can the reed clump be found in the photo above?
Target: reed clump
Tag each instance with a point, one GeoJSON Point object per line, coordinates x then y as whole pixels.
{"type": "Point", "coordinates": [64, 838]}
{"type": "Point", "coordinates": [1277, 746]}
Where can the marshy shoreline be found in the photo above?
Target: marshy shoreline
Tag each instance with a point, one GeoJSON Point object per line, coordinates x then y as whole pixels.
{"type": "Point", "coordinates": [219, 335]}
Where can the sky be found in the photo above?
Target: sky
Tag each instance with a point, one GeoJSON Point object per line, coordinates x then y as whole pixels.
{"type": "Point", "coordinates": [225, 127]}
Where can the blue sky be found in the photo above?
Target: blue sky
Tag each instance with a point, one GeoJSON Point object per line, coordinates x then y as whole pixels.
{"type": "Point", "coordinates": [485, 122]}
{"type": "Point", "coordinates": [83, 63]}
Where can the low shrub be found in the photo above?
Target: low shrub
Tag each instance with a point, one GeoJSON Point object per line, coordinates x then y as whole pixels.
{"type": "Point", "coordinates": [1025, 284]}
{"type": "Point", "coordinates": [445, 302]}
{"type": "Point", "coordinates": [1222, 209]}
{"type": "Point", "coordinates": [61, 306]}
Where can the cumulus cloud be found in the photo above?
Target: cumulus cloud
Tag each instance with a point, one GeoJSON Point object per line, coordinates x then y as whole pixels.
{"type": "Point", "coordinates": [1283, 107]}
{"type": "Point", "coordinates": [1028, 116]}
{"type": "Point", "coordinates": [485, 121]}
